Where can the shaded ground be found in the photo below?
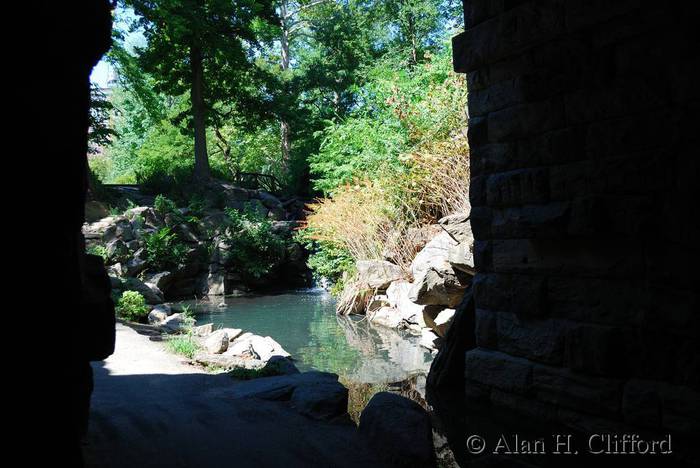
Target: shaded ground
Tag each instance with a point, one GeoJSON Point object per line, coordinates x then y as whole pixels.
{"type": "Point", "coordinates": [151, 410]}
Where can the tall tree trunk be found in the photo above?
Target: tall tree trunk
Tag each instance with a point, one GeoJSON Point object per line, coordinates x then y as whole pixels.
{"type": "Point", "coordinates": [284, 65]}
{"type": "Point", "coordinates": [201, 158]}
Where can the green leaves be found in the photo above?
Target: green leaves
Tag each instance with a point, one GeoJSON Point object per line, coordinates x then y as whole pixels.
{"type": "Point", "coordinates": [163, 251]}
{"type": "Point", "coordinates": [132, 306]}
{"type": "Point", "coordinates": [253, 247]}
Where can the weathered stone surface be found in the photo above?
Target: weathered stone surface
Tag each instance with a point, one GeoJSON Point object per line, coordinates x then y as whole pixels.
{"type": "Point", "coordinates": [152, 295]}
{"type": "Point", "coordinates": [217, 342]}
{"type": "Point", "coordinates": [443, 321]}
{"type": "Point", "coordinates": [203, 330]}
{"type": "Point", "coordinates": [398, 296]}
{"type": "Point", "coordinates": [255, 347]}
{"type": "Point", "coordinates": [430, 340]}
{"type": "Point", "coordinates": [438, 287]}
{"type": "Point", "coordinates": [386, 317]}
{"type": "Point", "coordinates": [579, 392]}
{"type": "Point", "coordinates": [377, 302]}
{"type": "Point", "coordinates": [499, 370]}
{"type": "Point", "coordinates": [539, 340]}
{"type": "Point", "coordinates": [398, 430]}
{"type": "Point", "coordinates": [377, 274]}
{"type": "Point", "coordinates": [578, 213]}
{"type": "Point", "coordinates": [433, 255]}
{"type": "Point", "coordinates": [232, 333]}
{"type": "Point", "coordinates": [176, 323]}
{"type": "Point", "coordinates": [325, 400]}
{"type": "Point", "coordinates": [157, 317]}
{"type": "Point", "coordinates": [461, 257]}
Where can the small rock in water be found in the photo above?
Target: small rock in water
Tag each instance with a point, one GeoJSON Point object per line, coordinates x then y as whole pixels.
{"type": "Point", "coordinates": [222, 305]}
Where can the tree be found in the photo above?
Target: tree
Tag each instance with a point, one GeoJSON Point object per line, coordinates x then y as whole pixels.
{"type": "Point", "coordinates": [292, 23]}
{"type": "Point", "coordinates": [416, 22]}
{"type": "Point", "coordinates": [205, 48]}
{"type": "Point", "coordinates": [100, 132]}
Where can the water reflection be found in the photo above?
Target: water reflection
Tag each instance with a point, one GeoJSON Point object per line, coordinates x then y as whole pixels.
{"type": "Point", "coordinates": [306, 325]}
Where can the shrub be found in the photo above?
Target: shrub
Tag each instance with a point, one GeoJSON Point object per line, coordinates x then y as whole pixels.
{"type": "Point", "coordinates": [99, 250]}
{"type": "Point", "coordinates": [164, 205]}
{"type": "Point", "coordinates": [163, 251]}
{"type": "Point", "coordinates": [254, 249]}
{"type": "Point", "coordinates": [101, 166]}
{"type": "Point", "coordinates": [132, 306]}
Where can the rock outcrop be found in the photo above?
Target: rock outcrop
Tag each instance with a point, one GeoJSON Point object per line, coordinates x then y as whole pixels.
{"type": "Point", "coordinates": [205, 266]}
{"type": "Point", "coordinates": [398, 430]}
{"type": "Point", "coordinates": [230, 348]}
{"type": "Point", "coordinates": [442, 270]}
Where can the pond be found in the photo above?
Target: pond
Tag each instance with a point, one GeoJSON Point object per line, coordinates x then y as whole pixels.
{"type": "Point", "coordinates": [305, 324]}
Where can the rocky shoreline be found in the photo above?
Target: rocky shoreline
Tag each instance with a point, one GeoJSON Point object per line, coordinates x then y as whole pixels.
{"type": "Point", "coordinates": [423, 300]}
{"type": "Point", "coordinates": [206, 265]}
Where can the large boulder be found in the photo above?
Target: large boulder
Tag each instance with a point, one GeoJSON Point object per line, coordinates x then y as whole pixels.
{"type": "Point", "coordinates": [377, 274]}
{"type": "Point", "coordinates": [264, 348]}
{"type": "Point", "coordinates": [399, 298]}
{"type": "Point", "coordinates": [217, 342]}
{"type": "Point", "coordinates": [326, 400]}
{"type": "Point", "coordinates": [248, 345]}
{"type": "Point", "coordinates": [398, 430]}
{"type": "Point", "coordinates": [159, 281]}
{"type": "Point", "coordinates": [137, 263]}
{"type": "Point", "coordinates": [232, 333]}
{"type": "Point", "coordinates": [433, 255]}
{"type": "Point", "coordinates": [436, 282]}
{"type": "Point", "coordinates": [176, 323]}
{"type": "Point", "coordinates": [157, 317]}
{"type": "Point", "coordinates": [203, 330]}
{"type": "Point", "coordinates": [150, 294]}
{"type": "Point", "coordinates": [439, 319]}
{"type": "Point", "coordinates": [438, 287]}
{"type": "Point", "coordinates": [386, 317]}
{"type": "Point", "coordinates": [430, 340]}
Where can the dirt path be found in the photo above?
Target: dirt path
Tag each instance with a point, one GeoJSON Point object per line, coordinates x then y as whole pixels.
{"type": "Point", "coordinates": [135, 354]}
{"type": "Point", "coordinates": [151, 410]}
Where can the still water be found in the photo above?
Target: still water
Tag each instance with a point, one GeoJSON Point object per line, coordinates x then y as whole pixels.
{"type": "Point", "coordinates": [305, 324]}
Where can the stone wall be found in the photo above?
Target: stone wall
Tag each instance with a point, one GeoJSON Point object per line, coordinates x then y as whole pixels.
{"type": "Point", "coordinates": [584, 184]}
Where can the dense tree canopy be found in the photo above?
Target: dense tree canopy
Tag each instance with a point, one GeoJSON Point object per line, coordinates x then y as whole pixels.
{"type": "Point", "coordinates": [206, 48]}
{"type": "Point", "coordinates": [300, 89]}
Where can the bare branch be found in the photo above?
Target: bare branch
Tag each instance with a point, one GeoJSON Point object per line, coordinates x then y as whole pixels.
{"type": "Point", "coordinates": [307, 6]}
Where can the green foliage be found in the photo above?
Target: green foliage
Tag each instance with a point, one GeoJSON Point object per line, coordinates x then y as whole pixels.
{"type": "Point", "coordinates": [360, 145]}
{"type": "Point", "coordinates": [99, 132]}
{"type": "Point", "coordinates": [132, 306]}
{"type": "Point", "coordinates": [328, 259]}
{"type": "Point", "coordinates": [353, 68]}
{"type": "Point", "coordinates": [254, 248]}
{"type": "Point", "coordinates": [164, 205]}
{"type": "Point", "coordinates": [163, 251]}
{"type": "Point", "coordinates": [99, 250]}
{"type": "Point", "coordinates": [184, 345]}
